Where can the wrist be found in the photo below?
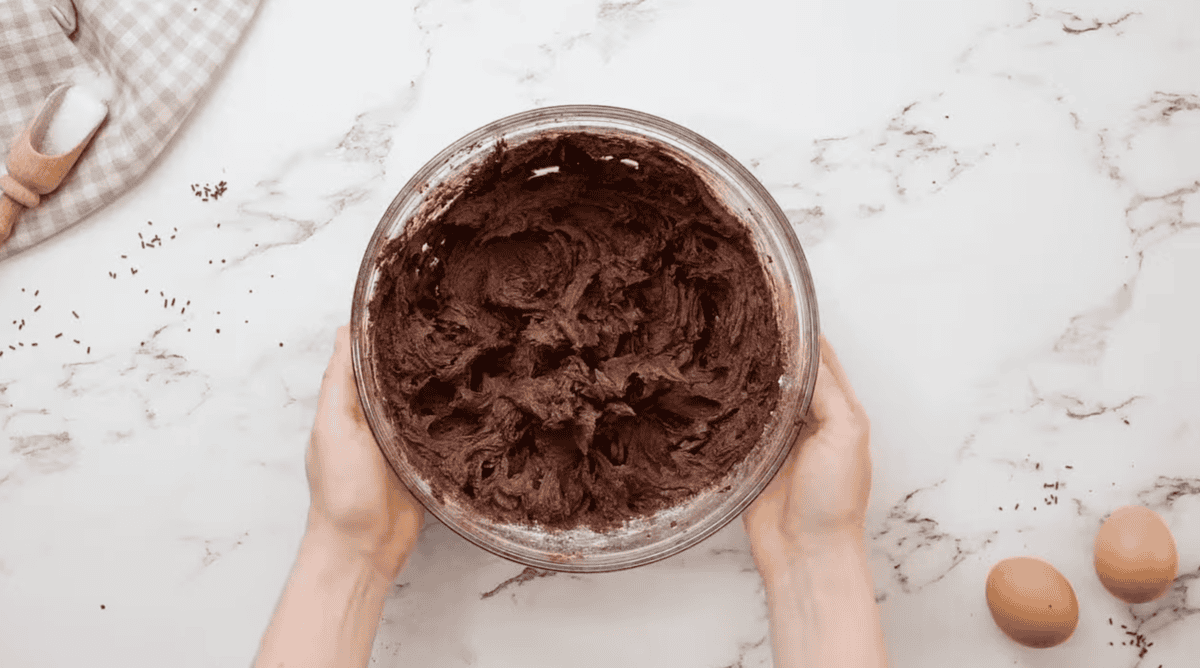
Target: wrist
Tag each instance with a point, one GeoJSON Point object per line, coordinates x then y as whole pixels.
{"type": "Point", "coordinates": [381, 563]}
{"type": "Point", "coordinates": [809, 552]}
{"type": "Point", "coordinates": [330, 609]}
{"type": "Point", "coordinates": [821, 602]}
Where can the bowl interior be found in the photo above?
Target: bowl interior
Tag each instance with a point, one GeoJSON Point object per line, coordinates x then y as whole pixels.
{"type": "Point", "coordinates": [643, 540]}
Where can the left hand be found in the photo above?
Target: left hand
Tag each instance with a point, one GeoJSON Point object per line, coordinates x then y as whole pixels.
{"type": "Point", "coordinates": [356, 498]}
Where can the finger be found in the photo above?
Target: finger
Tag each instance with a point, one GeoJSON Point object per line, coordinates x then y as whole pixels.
{"type": "Point", "coordinates": [830, 358]}
{"type": "Point", "coordinates": [338, 401]}
{"type": "Point", "coordinates": [342, 355]}
{"type": "Point", "coordinates": [811, 425]}
{"type": "Point", "coordinates": [830, 405]}
{"type": "Point", "coordinates": [329, 395]}
{"type": "Point", "coordinates": [350, 399]}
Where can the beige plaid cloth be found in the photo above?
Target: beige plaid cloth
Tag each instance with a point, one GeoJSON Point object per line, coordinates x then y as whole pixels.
{"type": "Point", "coordinates": [160, 55]}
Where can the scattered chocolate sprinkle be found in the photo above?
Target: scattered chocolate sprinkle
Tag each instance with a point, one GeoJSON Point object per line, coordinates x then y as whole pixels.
{"type": "Point", "coordinates": [75, 340]}
{"type": "Point", "coordinates": [35, 292]}
{"type": "Point", "coordinates": [208, 191]}
{"type": "Point", "coordinates": [38, 308]}
{"type": "Point", "coordinates": [75, 314]}
{"type": "Point", "coordinates": [218, 331]}
{"type": "Point", "coordinates": [101, 606]}
{"type": "Point", "coordinates": [33, 344]}
{"type": "Point", "coordinates": [59, 335]}
{"type": "Point", "coordinates": [89, 350]}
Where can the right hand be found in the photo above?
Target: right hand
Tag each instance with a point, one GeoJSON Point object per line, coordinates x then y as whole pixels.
{"type": "Point", "coordinates": [819, 497]}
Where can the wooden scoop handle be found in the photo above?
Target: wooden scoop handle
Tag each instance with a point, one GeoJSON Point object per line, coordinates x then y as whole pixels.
{"type": "Point", "coordinates": [32, 174]}
{"type": "Point", "coordinates": [10, 210]}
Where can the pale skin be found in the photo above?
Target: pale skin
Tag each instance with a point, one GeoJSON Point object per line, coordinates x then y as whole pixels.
{"type": "Point", "coordinates": [806, 534]}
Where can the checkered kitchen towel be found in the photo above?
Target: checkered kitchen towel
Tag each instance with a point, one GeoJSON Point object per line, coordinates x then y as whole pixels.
{"type": "Point", "coordinates": [159, 55]}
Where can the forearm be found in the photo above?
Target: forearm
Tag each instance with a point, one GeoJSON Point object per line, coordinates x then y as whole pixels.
{"type": "Point", "coordinates": [329, 610]}
{"type": "Point", "coordinates": [822, 608]}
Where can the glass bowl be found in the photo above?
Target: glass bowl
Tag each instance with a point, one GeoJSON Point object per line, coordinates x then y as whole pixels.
{"type": "Point", "coordinates": [648, 539]}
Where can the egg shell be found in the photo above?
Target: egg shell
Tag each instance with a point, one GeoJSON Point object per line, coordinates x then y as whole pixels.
{"type": "Point", "coordinates": [1032, 602]}
{"type": "Point", "coordinates": [1135, 555]}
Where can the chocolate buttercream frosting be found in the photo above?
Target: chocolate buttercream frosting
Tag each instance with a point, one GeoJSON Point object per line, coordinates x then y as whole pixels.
{"type": "Point", "coordinates": [584, 336]}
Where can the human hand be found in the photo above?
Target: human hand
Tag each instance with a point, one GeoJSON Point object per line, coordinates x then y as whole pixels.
{"type": "Point", "coordinates": [356, 498]}
{"type": "Point", "coordinates": [819, 497]}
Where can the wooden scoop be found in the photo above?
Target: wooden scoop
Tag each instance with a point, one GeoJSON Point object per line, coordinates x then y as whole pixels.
{"type": "Point", "coordinates": [42, 156]}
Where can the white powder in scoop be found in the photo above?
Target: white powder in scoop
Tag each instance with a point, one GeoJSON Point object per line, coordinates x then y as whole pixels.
{"type": "Point", "coordinates": [100, 85]}
{"type": "Point", "coordinates": [79, 112]}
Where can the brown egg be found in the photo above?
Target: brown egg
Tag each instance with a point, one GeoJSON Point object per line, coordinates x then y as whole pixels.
{"type": "Point", "coordinates": [1136, 557]}
{"type": "Point", "coordinates": [1032, 602]}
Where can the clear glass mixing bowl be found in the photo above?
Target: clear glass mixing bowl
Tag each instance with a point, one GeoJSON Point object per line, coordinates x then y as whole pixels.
{"type": "Point", "coordinates": [675, 529]}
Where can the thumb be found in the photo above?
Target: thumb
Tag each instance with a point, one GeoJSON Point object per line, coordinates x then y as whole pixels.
{"type": "Point", "coordinates": [339, 393]}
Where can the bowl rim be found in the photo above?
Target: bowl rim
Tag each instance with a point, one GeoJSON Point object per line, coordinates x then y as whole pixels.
{"type": "Point", "coordinates": [635, 123]}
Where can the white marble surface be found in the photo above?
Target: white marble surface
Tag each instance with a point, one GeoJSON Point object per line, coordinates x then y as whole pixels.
{"type": "Point", "coordinates": [1000, 202]}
